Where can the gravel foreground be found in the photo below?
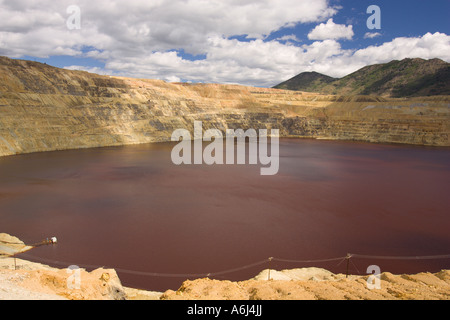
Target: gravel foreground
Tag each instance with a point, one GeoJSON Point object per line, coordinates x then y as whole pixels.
{"type": "Point", "coordinates": [33, 281]}
{"type": "Point", "coordinates": [25, 280]}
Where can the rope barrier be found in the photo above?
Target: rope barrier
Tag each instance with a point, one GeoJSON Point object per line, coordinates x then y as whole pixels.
{"type": "Point", "coordinates": [447, 256]}
{"type": "Point", "coordinates": [152, 274]}
{"type": "Point", "coordinates": [248, 266]}
{"type": "Point", "coordinates": [308, 261]}
{"type": "Point", "coordinates": [198, 275]}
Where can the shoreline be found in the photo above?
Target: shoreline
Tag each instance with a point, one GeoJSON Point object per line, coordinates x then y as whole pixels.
{"type": "Point", "coordinates": [287, 138]}
{"type": "Point", "coordinates": [35, 281]}
{"type": "Point", "coordinates": [88, 110]}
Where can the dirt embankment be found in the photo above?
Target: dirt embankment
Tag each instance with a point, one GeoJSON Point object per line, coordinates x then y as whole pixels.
{"type": "Point", "coordinates": [24, 280]}
{"type": "Point", "coordinates": [39, 282]}
{"type": "Point", "coordinates": [43, 108]}
{"type": "Point", "coordinates": [318, 284]}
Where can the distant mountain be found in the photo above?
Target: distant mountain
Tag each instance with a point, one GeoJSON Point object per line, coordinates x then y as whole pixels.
{"type": "Point", "coordinates": [313, 81]}
{"type": "Point", "coordinates": [405, 78]}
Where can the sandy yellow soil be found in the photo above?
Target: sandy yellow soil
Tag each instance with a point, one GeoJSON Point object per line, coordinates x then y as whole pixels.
{"type": "Point", "coordinates": [24, 280]}
{"type": "Point", "coordinates": [38, 282]}
{"type": "Point", "coordinates": [321, 285]}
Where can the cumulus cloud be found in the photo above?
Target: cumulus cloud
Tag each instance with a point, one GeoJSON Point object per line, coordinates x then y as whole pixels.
{"type": "Point", "coordinates": [267, 63]}
{"type": "Point", "coordinates": [144, 39]}
{"type": "Point", "coordinates": [289, 38]}
{"type": "Point", "coordinates": [371, 35]}
{"type": "Point", "coordinates": [95, 70]}
{"type": "Point", "coordinates": [331, 30]}
{"type": "Point", "coordinates": [334, 61]}
{"type": "Point", "coordinates": [427, 47]}
{"type": "Point", "coordinates": [158, 25]}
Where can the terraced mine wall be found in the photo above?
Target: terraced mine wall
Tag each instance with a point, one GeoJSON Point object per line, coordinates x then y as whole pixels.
{"type": "Point", "coordinates": [43, 108]}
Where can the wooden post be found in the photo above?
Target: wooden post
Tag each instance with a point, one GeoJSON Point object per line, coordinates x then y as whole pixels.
{"type": "Point", "coordinates": [348, 262]}
{"type": "Point", "coordinates": [270, 260]}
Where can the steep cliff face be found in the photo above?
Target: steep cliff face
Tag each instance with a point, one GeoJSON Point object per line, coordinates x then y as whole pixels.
{"type": "Point", "coordinates": [43, 108]}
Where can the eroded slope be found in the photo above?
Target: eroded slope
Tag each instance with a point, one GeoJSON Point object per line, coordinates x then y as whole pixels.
{"type": "Point", "coordinates": [43, 108]}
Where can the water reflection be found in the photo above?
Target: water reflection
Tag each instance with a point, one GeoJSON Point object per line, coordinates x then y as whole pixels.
{"type": "Point", "coordinates": [131, 208]}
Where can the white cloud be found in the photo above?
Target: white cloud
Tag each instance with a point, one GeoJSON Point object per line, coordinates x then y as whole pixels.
{"type": "Point", "coordinates": [331, 31]}
{"type": "Point", "coordinates": [252, 63]}
{"type": "Point", "coordinates": [291, 38]}
{"type": "Point", "coordinates": [157, 25]}
{"type": "Point", "coordinates": [428, 46]}
{"type": "Point", "coordinates": [140, 38]}
{"type": "Point", "coordinates": [96, 70]}
{"type": "Point", "coordinates": [371, 35]}
{"type": "Point", "coordinates": [268, 63]}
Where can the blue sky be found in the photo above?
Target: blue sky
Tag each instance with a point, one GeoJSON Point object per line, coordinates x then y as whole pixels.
{"type": "Point", "coordinates": [251, 42]}
{"type": "Point", "coordinates": [399, 19]}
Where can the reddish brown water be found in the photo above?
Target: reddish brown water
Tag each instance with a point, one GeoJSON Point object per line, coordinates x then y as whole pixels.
{"type": "Point", "coordinates": [131, 208]}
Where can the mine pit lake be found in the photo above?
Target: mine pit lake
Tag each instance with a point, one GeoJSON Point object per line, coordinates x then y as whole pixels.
{"type": "Point", "coordinates": [132, 209]}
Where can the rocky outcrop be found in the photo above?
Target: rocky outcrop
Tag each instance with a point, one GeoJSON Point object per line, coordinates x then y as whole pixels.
{"type": "Point", "coordinates": [317, 284]}
{"type": "Point", "coordinates": [10, 245]}
{"type": "Point", "coordinates": [24, 280]}
{"type": "Point", "coordinates": [43, 108]}
{"type": "Point", "coordinates": [45, 283]}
